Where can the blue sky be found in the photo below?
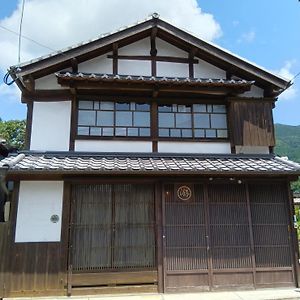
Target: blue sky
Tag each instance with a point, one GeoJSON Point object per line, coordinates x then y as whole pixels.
{"type": "Point", "coordinates": [266, 32]}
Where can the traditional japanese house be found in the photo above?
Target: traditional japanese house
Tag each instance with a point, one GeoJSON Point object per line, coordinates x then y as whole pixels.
{"type": "Point", "coordinates": [149, 167]}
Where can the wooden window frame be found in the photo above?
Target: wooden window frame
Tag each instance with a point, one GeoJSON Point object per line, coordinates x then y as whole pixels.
{"type": "Point", "coordinates": [154, 136]}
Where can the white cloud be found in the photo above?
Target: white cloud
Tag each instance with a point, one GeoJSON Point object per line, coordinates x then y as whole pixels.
{"type": "Point", "coordinates": [285, 72]}
{"type": "Point", "coordinates": [61, 23]}
{"type": "Point", "coordinates": [247, 37]}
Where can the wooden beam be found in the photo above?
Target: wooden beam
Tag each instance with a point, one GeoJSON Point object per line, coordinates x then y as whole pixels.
{"type": "Point", "coordinates": [29, 83]}
{"type": "Point", "coordinates": [153, 51]}
{"type": "Point", "coordinates": [73, 129]}
{"type": "Point", "coordinates": [28, 125]}
{"type": "Point", "coordinates": [191, 64]}
{"type": "Point", "coordinates": [115, 58]}
{"type": "Point", "coordinates": [180, 60]}
{"type": "Point", "coordinates": [74, 65]}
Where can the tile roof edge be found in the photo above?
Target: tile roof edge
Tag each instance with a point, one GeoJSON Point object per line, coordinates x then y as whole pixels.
{"type": "Point", "coordinates": [288, 162]}
{"type": "Point", "coordinates": [140, 154]}
{"type": "Point", "coordinates": [13, 161]}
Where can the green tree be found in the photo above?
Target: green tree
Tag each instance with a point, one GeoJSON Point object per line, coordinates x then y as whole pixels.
{"type": "Point", "coordinates": [13, 132]}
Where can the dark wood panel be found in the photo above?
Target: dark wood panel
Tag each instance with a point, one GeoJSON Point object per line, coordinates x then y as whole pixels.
{"type": "Point", "coordinates": [274, 277]}
{"type": "Point", "coordinates": [4, 258]}
{"type": "Point", "coordinates": [187, 280]}
{"type": "Point", "coordinates": [114, 278]}
{"type": "Point", "coordinates": [251, 123]}
{"type": "Point", "coordinates": [36, 267]}
{"type": "Point", "coordinates": [129, 289]}
{"type": "Point", "coordinates": [222, 280]}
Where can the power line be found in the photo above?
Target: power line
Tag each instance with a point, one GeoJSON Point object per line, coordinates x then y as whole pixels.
{"type": "Point", "coordinates": [20, 31]}
{"type": "Point", "coordinates": [295, 75]}
{"type": "Point", "coordinates": [27, 38]}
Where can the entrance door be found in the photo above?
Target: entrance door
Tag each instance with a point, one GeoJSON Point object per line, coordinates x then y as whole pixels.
{"type": "Point", "coordinates": [112, 231]}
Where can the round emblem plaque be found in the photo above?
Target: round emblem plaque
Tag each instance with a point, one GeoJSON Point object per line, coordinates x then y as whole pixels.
{"type": "Point", "coordinates": [184, 193]}
{"type": "Point", "coordinates": [54, 218]}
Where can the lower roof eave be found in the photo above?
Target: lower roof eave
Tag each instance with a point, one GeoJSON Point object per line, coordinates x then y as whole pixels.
{"type": "Point", "coordinates": [132, 173]}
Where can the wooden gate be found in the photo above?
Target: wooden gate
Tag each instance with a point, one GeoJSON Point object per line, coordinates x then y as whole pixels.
{"type": "Point", "coordinates": [112, 235]}
{"type": "Point", "coordinates": [226, 235]}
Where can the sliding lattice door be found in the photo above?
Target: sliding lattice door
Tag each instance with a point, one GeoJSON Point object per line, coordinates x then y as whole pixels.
{"type": "Point", "coordinates": [112, 227]}
{"type": "Point", "coordinates": [227, 235]}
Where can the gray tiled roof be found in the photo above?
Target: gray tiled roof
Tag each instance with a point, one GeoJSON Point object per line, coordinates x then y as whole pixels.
{"type": "Point", "coordinates": [160, 79]}
{"type": "Point", "coordinates": [139, 163]}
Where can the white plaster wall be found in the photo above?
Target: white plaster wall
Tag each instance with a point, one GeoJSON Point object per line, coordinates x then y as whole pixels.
{"type": "Point", "coordinates": [172, 69]}
{"type": "Point", "coordinates": [51, 126]}
{"type": "Point", "coordinates": [194, 147]}
{"type": "Point", "coordinates": [206, 70]}
{"type": "Point", "coordinates": [255, 91]}
{"type": "Point", "coordinates": [167, 68]}
{"type": "Point", "coordinates": [141, 47]}
{"type": "Point", "coordinates": [134, 67]}
{"type": "Point", "coordinates": [48, 82]}
{"type": "Point", "coordinates": [167, 49]}
{"type": "Point", "coordinates": [100, 64]}
{"type": "Point", "coordinates": [38, 201]}
{"type": "Point", "coordinates": [252, 149]}
{"type": "Point", "coordinates": [113, 146]}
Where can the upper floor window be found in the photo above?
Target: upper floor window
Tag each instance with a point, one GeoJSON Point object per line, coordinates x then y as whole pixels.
{"type": "Point", "coordinates": [133, 119]}
{"type": "Point", "coordinates": [192, 121]}
{"type": "Point", "coordinates": [107, 119]}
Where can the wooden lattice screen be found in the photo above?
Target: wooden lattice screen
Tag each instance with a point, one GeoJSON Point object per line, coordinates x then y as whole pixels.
{"type": "Point", "coordinates": [112, 227]}
{"type": "Point", "coordinates": [228, 235]}
{"type": "Point", "coordinates": [270, 225]}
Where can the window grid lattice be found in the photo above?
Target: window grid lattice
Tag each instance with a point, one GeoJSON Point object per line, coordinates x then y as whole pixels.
{"type": "Point", "coordinates": [108, 119]}
{"type": "Point", "coordinates": [192, 121]}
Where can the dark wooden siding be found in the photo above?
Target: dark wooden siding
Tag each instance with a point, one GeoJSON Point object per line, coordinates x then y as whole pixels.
{"type": "Point", "coordinates": [36, 268]}
{"type": "Point", "coordinates": [4, 258]}
{"type": "Point", "coordinates": [251, 123]}
{"type": "Point", "coordinates": [33, 268]}
{"type": "Point", "coordinates": [228, 235]}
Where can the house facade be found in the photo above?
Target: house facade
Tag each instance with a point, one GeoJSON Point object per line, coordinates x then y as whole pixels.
{"type": "Point", "coordinates": [149, 167]}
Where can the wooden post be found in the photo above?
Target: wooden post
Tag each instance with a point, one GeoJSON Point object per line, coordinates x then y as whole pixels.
{"type": "Point", "coordinates": [153, 51]}
{"type": "Point", "coordinates": [115, 58]}
{"type": "Point", "coordinates": [293, 236]}
{"type": "Point", "coordinates": [251, 235]}
{"type": "Point", "coordinates": [28, 125]}
{"type": "Point", "coordinates": [73, 129]}
{"type": "Point", "coordinates": [207, 230]}
{"type": "Point", "coordinates": [159, 233]}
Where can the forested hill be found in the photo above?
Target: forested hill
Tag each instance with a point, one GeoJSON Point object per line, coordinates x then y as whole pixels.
{"type": "Point", "coordinates": [288, 141]}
